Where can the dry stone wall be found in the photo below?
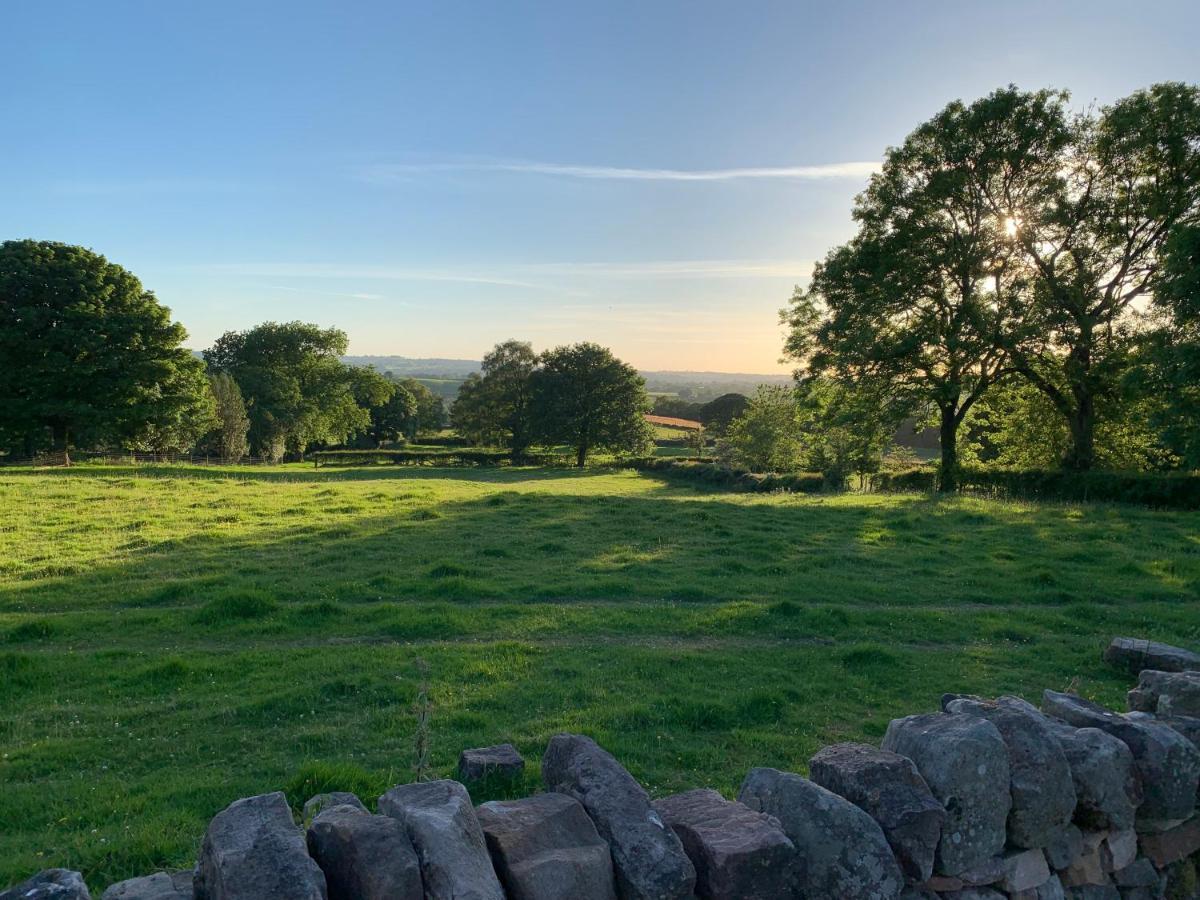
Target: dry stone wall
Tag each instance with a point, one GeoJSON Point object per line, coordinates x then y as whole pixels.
{"type": "Point", "coordinates": [987, 799]}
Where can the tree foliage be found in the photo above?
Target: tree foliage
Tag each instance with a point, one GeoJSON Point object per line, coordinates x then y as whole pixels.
{"type": "Point", "coordinates": [494, 407]}
{"type": "Point", "coordinates": [584, 397]}
{"type": "Point", "coordinates": [297, 391]}
{"type": "Point", "coordinates": [90, 356]}
{"type": "Point", "coordinates": [233, 425]}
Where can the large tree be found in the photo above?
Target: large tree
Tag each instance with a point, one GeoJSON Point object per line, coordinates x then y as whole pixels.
{"type": "Point", "coordinates": [494, 406]}
{"type": "Point", "coordinates": [89, 355]}
{"type": "Point", "coordinates": [917, 306]}
{"type": "Point", "coordinates": [296, 388]}
{"type": "Point", "coordinates": [1091, 203]}
{"type": "Point", "coordinates": [585, 397]}
{"type": "Point", "coordinates": [232, 422]}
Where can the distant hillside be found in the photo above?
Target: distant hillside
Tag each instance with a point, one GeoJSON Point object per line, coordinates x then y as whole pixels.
{"type": "Point", "coordinates": [444, 376]}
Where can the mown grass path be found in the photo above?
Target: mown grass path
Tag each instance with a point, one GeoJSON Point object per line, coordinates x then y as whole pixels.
{"type": "Point", "coordinates": [172, 638]}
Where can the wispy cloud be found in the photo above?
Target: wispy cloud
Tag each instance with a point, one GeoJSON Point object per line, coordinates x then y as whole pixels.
{"type": "Point", "coordinates": [400, 172]}
{"type": "Point", "coordinates": [543, 276]}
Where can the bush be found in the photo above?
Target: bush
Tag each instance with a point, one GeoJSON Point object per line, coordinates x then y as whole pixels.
{"type": "Point", "coordinates": [1176, 490]}
{"type": "Point", "coordinates": [733, 478]}
{"type": "Point", "coordinates": [411, 457]}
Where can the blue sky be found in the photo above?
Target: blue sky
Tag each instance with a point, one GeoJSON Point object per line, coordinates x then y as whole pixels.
{"type": "Point", "coordinates": [437, 177]}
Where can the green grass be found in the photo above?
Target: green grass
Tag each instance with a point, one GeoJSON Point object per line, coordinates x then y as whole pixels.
{"type": "Point", "coordinates": [174, 638]}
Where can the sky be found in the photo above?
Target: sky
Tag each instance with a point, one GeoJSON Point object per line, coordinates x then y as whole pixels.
{"type": "Point", "coordinates": [436, 177]}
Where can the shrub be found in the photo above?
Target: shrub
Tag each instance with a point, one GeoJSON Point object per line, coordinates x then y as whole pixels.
{"type": "Point", "coordinates": [733, 478]}
{"type": "Point", "coordinates": [1176, 490]}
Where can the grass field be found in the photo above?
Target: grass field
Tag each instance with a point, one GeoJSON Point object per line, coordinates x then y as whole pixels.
{"type": "Point", "coordinates": [174, 638]}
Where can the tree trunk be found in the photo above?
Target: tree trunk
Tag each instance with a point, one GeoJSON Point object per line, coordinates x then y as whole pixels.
{"type": "Point", "coordinates": [581, 455]}
{"type": "Point", "coordinates": [948, 437]}
{"type": "Point", "coordinates": [1082, 421]}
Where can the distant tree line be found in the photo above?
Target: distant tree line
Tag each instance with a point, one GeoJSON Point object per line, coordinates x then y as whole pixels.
{"type": "Point", "coordinates": [92, 360]}
{"type": "Point", "coordinates": [1023, 276]}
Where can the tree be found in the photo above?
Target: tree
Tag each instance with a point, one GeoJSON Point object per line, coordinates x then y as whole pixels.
{"type": "Point", "coordinates": [392, 419]}
{"type": "Point", "coordinates": [1091, 203]}
{"type": "Point", "coordinates": [494, 407]}
{"type": "Point", "coordinates": [89, 354]}
{"type": "Point", "coordinates": [920, 304]}
{"type": "Point", "coordinates": [586, 398]}
{"type": "Point", "coordinates": [189, 413]}
{"type": "Point", "coordinates": [766, 437]}
{"type": "Point", "coordinates": [844, 431]}
{"type": "Point", "coordinates": [431, 412]}
{"type": "Point", "coordinates": [297, 390]}
{"type": "Point", "coordinates": [719, 413]}
{"type": "Point", "coordinates": [232, 422]}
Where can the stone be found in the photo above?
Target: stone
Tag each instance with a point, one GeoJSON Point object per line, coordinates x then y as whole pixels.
{"type": "Point", "coordinates": [545, 847]}
{"type": "Point", "coordinates": [890, 790]}
{"type": "Point", "coordinates": [159, 886]}
{"type": "Point", "coordinates": [1024, 870]}
{"type": "Point", "coordinates": [1043, 793]}
{"type": "Point", "coordinates": [1118, 849]}
{"type": "Point", "coordinates": [648, 858]}
{"type": "Point", "coordinates": [1139, 873]}
{"type": "Point", "coordinates": [1064, 847]}
{"type": "Point", "coordinates": [1051, 889]}
{"type": "Point", "coordinates": [49, 884]}
{"type": "Point", "coordinates": [313, 806]}
{"type": "Point", "coordinates": [1134, 655]}
{"type": "Point", "coordinates": [1188, 726]}
{"type": "Point", "coordinates": [844, 851]}
{"type": "Point", "coordinates": [990, 871]}
{"type": "Point", "coordinates": [445, 833]}
{"type": "Point", "coordinates": [1087, 868]}
{"type": "Point", "coordinates": [943, 884]}
{"type": "Point", "coordinates": [1166, 693]}
{"type": "Point", "coordinates": [917, 892]}
{"type": "Point", "coordinates": [254, 851]}
{"type": "Point", "coordinates": [1167, 847]}
{"type": "Point", "coordinates": [1093, 892]}
{"type": "Point", "coordinates": [1167, 763]}
{"type": "Point", "coordinates": [737, 852]}
{"type": "Point", "coordinates": [964, 761]}
{"type": "Point", "coordinates": [1107, 788]}
{"type": "Point", "coordinates": [501, 761]}
{"type": "Point", "coordinates": [974, 893]}
{"type": "Point", "coordinates": [364, 857]}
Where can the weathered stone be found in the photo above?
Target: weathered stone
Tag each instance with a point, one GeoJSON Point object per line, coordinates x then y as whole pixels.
{"type": "Point", "coordinates": [1064, 847]}
{"type": "Point", "coordinates": [315, 805]}
{"type": "Point", "coordinates": [1134, 655]}
{"type": "Point", "coordinates": [1043, 794]}
{"type": "Point", "coordinates": [364, 857]}
{"type": "Point", "coordinates": [965, 763]}
{"type": "Point", "coordinates": [1051, 889]}
{"type": "Point", "coordinates": [844, 851]}
{"type": "Point", "coordinates": [648, 858]}
{"type": "Point", "coordinates": [1188, 726]}
{"type": "Point", "coordinates": [1167, 693]}
{"type": "Point", "coordinates": [1167, 763]}
{"type": "Point", "coordinates": [446, 836]}
{"type": "Point", "coordinates": [1118, 849]}
{"type": "Point", "coordinates": [1024, 870]}
{"type": "Point", "coordinates": [501, 761]}
{"type": "Point", "coordinates": [159, 886]}
{"type": "Point", "coordinates": [49, 884]}
{"type": "Point", "coordinates": [1093, 892]}
{"type": "Point", "coordinates": [917, 892]}
{"type": "Point", "coordinates": [1107, 788]}
{"type": "Point", "coordinates": [737, 852]}
{"type": "Point", "coordinates": [888, 788]}
{"type": "Point", "coordinates": [254, 851]}
{"type": "Point", "coordinates": [1087, 867]}
{"type": "Point", "coordinates": [990, 871]}
{"type": "Point", "coordinates": [943, 884]}
{"type": "Point", "coordinates": [1139, 873]}
{"type": "Point", "coordinates": [545, 847]}
{"type": "Point", "coordinates": [1166, 847]}
{"type": "Point", "coordinates": [974, 893]}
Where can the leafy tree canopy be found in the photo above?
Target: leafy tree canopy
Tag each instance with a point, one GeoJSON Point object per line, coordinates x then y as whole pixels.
{"type": "Point", "coordinates": [90, 356]}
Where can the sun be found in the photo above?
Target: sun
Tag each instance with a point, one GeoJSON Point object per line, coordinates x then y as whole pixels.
{"type": "Point", "coordinates": [1011, 226]}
